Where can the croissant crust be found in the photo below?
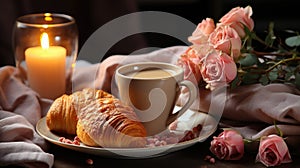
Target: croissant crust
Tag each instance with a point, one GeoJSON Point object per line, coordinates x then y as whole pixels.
{"type": "Point", "coordinates": [97, 118]}
{"type": "Point", "coordinates": [111, 124]}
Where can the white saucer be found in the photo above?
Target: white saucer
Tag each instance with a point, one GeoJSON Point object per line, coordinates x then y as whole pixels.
{"type": "Point", "coordinates": [209, 127]}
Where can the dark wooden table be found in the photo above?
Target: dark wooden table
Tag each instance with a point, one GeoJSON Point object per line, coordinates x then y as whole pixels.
{"type": "Point", "coordinates": [191, 157]}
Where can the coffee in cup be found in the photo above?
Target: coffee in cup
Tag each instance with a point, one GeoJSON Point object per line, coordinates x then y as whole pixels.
{"type": "Point", "coordinates": [152, 89]}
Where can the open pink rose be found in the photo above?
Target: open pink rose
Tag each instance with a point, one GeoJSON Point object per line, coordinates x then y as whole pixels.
{"type": "Point", "coordinates": [273, 151]}
{"type": "Point", "coordinates": [218, 69]}
{"type": "Point", "coordinates": [191, 61]}
{"type": "Point", "coordinates": [194, 55]}
{"type": "Point", "coordinates": [237, 18]}
{"type": "Point", "coordinates": [202, 31]}
{"type": "Point", "coordinates": [226, 39]}
{"type": "Point", "coordinates": [191, 70]}
{"type": "Point", "coordinates": [229, 145]}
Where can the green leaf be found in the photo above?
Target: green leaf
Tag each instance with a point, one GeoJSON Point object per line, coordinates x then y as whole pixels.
{"type": "Point", "coordinates": [288, 73]}
{"type": "Point", "coordinates": [247, 31]}
{"type": "Point", "coordinates": [293, 41]}
{"type": "Point", "coordinates": [264, 79]}
{"type": "Point", "coordinates": [273, 75]}
{"type": "Point", "coordinates": [288, 76]}
{"type": "Point", "coordinates": [247, 141]}
{"type": "Point", "coordinates": [280, 133]}
{"type": "Point", "coordinates": [250, 78]}
{"type": "Point", "coordinates": [248, 60]}
{"type": "Point", "coordinates": [235, 83]}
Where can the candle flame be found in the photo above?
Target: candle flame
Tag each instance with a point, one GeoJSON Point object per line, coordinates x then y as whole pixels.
{"type": "Point", "coordinates": [48, 17]}
{"type": "Point", "coordinates": [44, 41]}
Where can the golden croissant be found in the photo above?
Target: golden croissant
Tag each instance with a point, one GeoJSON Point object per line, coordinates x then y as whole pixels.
{"type": "Point", "coordinates": [97, 118]}
{"type": "Point", "coordinates": [62, 115]}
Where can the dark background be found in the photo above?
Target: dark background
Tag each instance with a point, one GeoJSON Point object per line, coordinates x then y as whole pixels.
{"type": "Point", "coordinates": [92, 14]}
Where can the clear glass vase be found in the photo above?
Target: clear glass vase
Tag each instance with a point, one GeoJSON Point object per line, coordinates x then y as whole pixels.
{"type": "Point", "coordinates": [46, 47]}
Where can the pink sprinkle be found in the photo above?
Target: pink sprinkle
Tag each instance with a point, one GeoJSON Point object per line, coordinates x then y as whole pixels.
{"type": "Point", "coordinates": [89, 161]}
{"type": "Point", "coordinates": [61, 139]}
{"type": "Point", "coordinates": [173, 125]}
{"type": "Point", "coordinates": [76, 139]}
{"type": "Point", "coordinates": [212, 160]}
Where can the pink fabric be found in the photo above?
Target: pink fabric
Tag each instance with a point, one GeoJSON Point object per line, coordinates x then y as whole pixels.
{"type": "Point", "coordinates": [268, 103]}
{"type": "Point", "coordinates": [20, 109]}
{"type": "Point", "coordinates": [253, 109]}
{"type": "Point", "coordinates": [100, 75]}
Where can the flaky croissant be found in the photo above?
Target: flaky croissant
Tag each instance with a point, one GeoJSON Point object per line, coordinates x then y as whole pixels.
{"type": "Point", "coordinates": [62, 114]}
{"type": "Point", "coordinates": [97, 118]}
{"type": "Point", "coordinates": [111, 124]}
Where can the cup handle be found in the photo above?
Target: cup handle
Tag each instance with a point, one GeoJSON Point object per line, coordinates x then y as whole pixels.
{"type": "Point", "coordinates": [192, 97]}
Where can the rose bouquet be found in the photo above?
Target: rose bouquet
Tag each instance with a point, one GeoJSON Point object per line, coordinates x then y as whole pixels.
{"type": "Point", "coordinates": [223, 54]}
{"type": "Point", "coordinates": [230, 54]}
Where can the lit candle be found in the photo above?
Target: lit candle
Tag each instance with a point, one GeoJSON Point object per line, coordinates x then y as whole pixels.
{"type": "Point", "coordinates": [46, 68]}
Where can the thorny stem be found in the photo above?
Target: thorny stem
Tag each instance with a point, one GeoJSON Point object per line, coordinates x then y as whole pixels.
{"type": "Point", "coordinates": [270, 68]}
{"type": "Point", "coordinates": [263, 42]}
{"type": "Point", "coordinates": [261, 54]}
{"type": "Point", "coordinates": [281, 62]}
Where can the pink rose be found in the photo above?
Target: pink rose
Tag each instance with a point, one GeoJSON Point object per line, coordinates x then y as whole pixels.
{"type": "Point", "coordinates": [237, 18]}
{"type": "Point", "coordinates": [191, 70]}
{"type": "Point", "coordinates": [229, 145]}
{"type": "Point", "coordinates": [195, 55]}
{"type": "Point", "coordinates": [226, 39]}
{"type": "Point", "coordinates": [203, 30]}
{"type": "Point", "coordinates": [273, 151]}
{"type": "Point", "coordinates": [190, 62]}
{"type": "Point", "coordinates": [218, 69]}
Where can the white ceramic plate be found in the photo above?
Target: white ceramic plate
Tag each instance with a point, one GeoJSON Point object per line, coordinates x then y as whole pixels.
{"type": "Point", "coordinates": [188, 119]}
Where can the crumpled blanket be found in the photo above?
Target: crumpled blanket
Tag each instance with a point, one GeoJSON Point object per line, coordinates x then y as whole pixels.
{"type": "Point", "coordinates": [250, 109]}
{"type": "Point", "coordinates": [20, 110]}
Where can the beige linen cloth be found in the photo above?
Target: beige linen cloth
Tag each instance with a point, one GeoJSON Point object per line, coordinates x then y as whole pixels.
{"type": "Point", "coordinates": [250, 109]}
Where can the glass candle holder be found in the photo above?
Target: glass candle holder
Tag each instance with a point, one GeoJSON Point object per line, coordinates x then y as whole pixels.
{"type": "Point", "coordinates": [46, 47]}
